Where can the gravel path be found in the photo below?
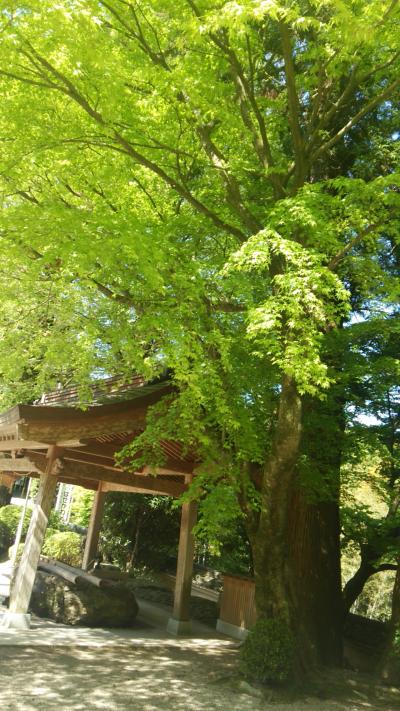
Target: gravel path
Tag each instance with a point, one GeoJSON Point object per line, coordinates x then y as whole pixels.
{"type": "Point", "coordinates": [139, 671]}
{"type": "Point", "coordinates": [150, 678]}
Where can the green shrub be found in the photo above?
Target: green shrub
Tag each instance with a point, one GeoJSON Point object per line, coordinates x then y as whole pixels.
{"type": "Point", "coordinates": [5, 537]}
{"type": "Point", "coordinates": [56, 522]}
{"type": "Point", "coordinates": [64, 546]}
{"type": "Point", "coordinates": [19, 553]}
{"type": "Point", "coordinates": [10, 515]}
{"type": "Point", "coordinates": [50, 532]}
{"type": "Point", "coordinates": [268, 651]}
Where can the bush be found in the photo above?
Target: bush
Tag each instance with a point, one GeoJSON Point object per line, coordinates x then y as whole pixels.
{"type": "Point", "coordinates": [65, 546]}
{"type": "Point", "coordinates": [50, 532]}
{"type": "Point", "coordinates": [268, 652]}
{"type": "Point", "coordinates": [10, 515]}
{"type": "Point", "coordinates": [56, 522]}
{"type": "Point", "coordinates": [5, 537]}
{"type": "Point", "coordinates": [19, 552]}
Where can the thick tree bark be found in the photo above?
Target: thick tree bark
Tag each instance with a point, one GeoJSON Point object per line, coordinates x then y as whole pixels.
{"type": "Point", "coordinates": [314, 562]}
{"type": "Point", "coordinates": [296, 542]}
{"type": "Point", "coordinates": [314, 533]}
{"type": "Point", "coordinates": [268, 539]}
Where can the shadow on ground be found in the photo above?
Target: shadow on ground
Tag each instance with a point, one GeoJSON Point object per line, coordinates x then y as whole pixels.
{"type": "Point", "coordinates": [148, 678]}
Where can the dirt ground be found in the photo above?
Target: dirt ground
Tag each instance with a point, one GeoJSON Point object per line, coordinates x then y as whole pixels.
{"type": "Point", "coordinates": [173, 678]}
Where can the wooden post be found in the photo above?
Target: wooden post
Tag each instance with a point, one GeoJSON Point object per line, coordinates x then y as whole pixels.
{"type": "Point", "coordinates": [180, 622]}
{"type": "Point", "coordinates": [22, 589]}
{"type": "Point", "coordinates": [92, 538]}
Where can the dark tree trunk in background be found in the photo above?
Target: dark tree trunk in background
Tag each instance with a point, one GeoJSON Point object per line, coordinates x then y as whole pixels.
{"type": "Point", "coordinates": [314, 564]}
{"type": "Point", "coordinates": [5, 496]}
{"type": "Point", "coordinates": [388, 668]}
{"type": "Point", "coordinates": [314, 528]}
{"type": "Point", "coordinates": [139, 518]}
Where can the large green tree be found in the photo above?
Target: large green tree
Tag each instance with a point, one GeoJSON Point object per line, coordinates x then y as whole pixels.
{"type": "Point", "coordinates": [180, 190]}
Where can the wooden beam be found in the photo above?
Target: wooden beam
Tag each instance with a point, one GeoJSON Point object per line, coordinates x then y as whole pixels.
{"type": "Point", "coordinates": [85, 483]}
{"type": "Point", "coordinates": [176, 469]}
{"type": "Point", "coordinates": [160, 489]}
{"type": "Point", "coordinates": [12, 445]}
{"type": "Point", "coordinates": [22, 464]}
{"type": "Point", "coordinates": [172, 466]}
{"type": "Point", "coordinates": [82, 471]}
{"type": "Point", "coordinates": [77, 455]}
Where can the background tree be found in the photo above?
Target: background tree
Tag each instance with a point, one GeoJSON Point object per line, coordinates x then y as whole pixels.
{"type": "Point", "coordinates": [371, 462]}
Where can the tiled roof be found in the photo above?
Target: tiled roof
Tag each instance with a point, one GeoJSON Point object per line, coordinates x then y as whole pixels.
{"type": "Point", "coordinates": [105, 390]}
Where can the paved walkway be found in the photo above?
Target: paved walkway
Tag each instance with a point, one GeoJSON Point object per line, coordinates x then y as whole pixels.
{"type": "Point", "coordinates": [5, 577]}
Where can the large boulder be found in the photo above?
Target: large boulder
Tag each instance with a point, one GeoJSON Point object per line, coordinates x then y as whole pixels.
{"type": "Point", "coordinates": [82, 603]}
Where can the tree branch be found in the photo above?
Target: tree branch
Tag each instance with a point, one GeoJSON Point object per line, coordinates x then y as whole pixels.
{"type": "Point", "coordinates": [119, 298]}
{"type": "Point", "coordinates": [386, 566]}
{"type": "Point", "coordinates": [365, 110]}
{"type": "Point", "coordinates": [353, 82]}
{"type": "Point", "coordinates": [184, 192]}
{"type": "Point", "coordinates": [138, 35]}
{"type": "Point", "coordinates": [294, 106]}
{"type": "Point", "coordinates": [219, 162]}
{"type": "Point", "coordinates": [68, 88]}
{"type": "Point", "coordinates": [333, 263]}
{"type": "Point", "coordinates": [246, 99]}
{"type": "Point", "coordinates": [227, 307]}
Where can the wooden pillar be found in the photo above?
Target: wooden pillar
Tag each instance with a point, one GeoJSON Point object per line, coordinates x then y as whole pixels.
{"type": "Point", "coordinates": [180, 622]}
{"type": "Point", "coordinates": [25, 578]}
{"type": "Point", "coordinates": [92, 538]}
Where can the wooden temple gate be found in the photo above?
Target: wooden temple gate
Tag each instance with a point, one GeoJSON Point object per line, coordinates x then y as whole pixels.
{"type": "Point", "coordinates": [64, 444]}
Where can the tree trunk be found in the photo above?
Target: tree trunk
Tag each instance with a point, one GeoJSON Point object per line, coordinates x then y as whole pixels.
{"type": "Point", "coordinates": [355, 585]}
{"type": "Point", "coordinates": [314, 535]}
{"type": "Point", "coordinates": [269, 537]}
{"type": "Point", "coordinates": [296, 541]}
{"type": "Point", "coordinates": [139, 518]}
{"type": "Point", "coordinates": [388, 669]}
{"type": "Point", "coordinates": [314, 562]}
{"type": "Point", "coordinates": [5, 495]}
{"type": "Point", "coordinates": [269, 542]}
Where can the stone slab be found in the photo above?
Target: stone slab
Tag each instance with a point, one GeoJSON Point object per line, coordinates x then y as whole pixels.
{"type": "Point", "coordinates": [15, 621]}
